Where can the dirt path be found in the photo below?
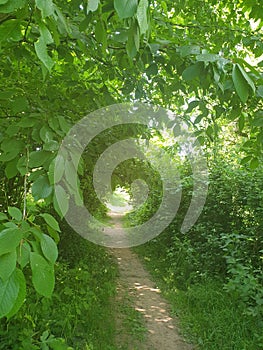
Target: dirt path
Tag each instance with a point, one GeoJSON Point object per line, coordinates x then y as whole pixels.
{"type": "Point", "coordinates": [134, 280]}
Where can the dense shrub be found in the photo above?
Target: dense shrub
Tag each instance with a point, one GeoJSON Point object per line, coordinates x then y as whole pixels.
{"type": "Point", "coordinates": [225, 244]}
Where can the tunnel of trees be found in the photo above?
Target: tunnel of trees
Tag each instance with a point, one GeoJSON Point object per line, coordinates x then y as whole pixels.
{"type": "Point", "coordinates": [60, 61]}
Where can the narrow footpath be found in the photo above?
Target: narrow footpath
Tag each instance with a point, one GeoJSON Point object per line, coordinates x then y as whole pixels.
{"type": "Point", "coordinates": [135, 282]}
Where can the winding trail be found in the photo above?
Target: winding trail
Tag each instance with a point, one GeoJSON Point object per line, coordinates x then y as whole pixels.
{"type": "Point", "coordinates": [134, 280]}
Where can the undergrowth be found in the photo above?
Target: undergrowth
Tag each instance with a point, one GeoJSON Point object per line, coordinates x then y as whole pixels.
{"type": "Point", "coordinates": [131, 329]}
{"type": "Point", "coordinates": [212, 274]}
{"type": "Point", "coordinates": [79, 314]}
{"type": "Point", "coordinates": [211, 316]}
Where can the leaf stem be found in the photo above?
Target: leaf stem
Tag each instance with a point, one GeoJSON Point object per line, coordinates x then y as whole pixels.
{"type": "Point", "coordinates": [25, 184]}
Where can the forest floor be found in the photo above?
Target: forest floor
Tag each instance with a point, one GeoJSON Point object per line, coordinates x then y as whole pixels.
{"type": "Point", "coordinates": [143, 317]}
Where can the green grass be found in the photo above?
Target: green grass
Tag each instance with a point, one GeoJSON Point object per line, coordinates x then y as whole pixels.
{"type": "Point", "coordinates": [131, 332]}
{"type": "Point", "coordinates": [213, 319]}
{"type": "Point", "coordinates": [210, 317]}
{"type": "Point", "coordinates": [133, 320]}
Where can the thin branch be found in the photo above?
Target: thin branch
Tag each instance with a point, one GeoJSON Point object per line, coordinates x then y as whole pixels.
{"type": "Point", "coordinates": [25, 184]}
{"type": "Point", "coordinates": [6, 18]}
{"type": "Point", "coordinates": [10, 116]}
{"type": "Point", "coordinates": [28, 24]}
{"type": "Point", "coordinates": [205, 26]}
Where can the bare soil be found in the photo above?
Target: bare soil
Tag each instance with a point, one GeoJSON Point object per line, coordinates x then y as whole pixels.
{"type": "Point", "coordinates": [134, 281]}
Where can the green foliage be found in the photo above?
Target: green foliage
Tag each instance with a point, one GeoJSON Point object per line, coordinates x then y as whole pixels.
{"type": "Point", "coordinates": [126, 8]}
{"type": "Point", "coordinates": [51, 221]}
{"type": "Point", "coordinates": [10, 239]}
{"type": "Point", "coordinates": [9, 291]}
{"type": "Point", "coordinates": [7, 265]}
{"type": "Point", "coordinates": [60, 60]}
{"type": "Point", "coordinates": [214, 319]}
{"type": "Point", "coordinates": [21, 242]}
{"type": "Point", "coordinates": [79, 315]}
{"type": "Point", "coordinates": [132, 322]}
{"type": "Point", "coordinates": [42, 275]}
{"type": "Point", "coordinates": [15, 213]}
{"type": "Point", "coordinates": [242, 82]}
{"type": "Point", "coordinates": [221, 253]}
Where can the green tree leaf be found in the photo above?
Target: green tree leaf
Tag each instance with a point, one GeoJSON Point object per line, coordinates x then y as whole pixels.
{"type": "Point", "coordinates": [141, 16]}
{"type": "Point", "coordinates": [58, 169]}
{"type": "Point", "coordinates": [188, 50]}
{"type": "Point", "coordinates": [41, 188]}
{"type": "Point", "coordinates": [258, 119]}
{"type": "Point", "coordinates": [53, 234]}
{"type": "Point", "coordinates": [64, 124]}
{"type": "Point", "coordinates": [10, 30]}
{"type": "Point", "coordinates": [27, 122]}
{"type": "Point", "coordinates": [15, 213]}
{"type": "Point", "coordinates": [23, 254]}
{"type": "Point", "coordinates": [136, 36]}
{"type": "Point", "coordinates": [20, 278]}
{"type": "Point", "coordinates": [49, 248]}
{"type": "Point", "coordinates": [38, 158]}
{"type": "Point", "coordinates": [46, 134]}
{"type": "Point", "coordinates": [11, 169]}
{"type": "Point", "coordinates": [12, 130]}
{"type": "Point", "coordinates": [254, 163]}
{"type": "Point", "coordinates": [51, 146]}
{"type": "Point", "coordinates": [260, 91]}
{"type": "Point", "coordinates": [19, 104]}
{"type": "Point", "coordinates": [3, 217]}
{"type": "Point", "coordinates": [12, 144]}
{"type": "Point", "coordinates": [11, 148]}
{"type": "Point", "coordinates": [245, 160]}
{"type": "Point", "coordinates": [9, 290]}
{"type": "Point", "coordinates": [152, 70]}
{"type": "Point", "coordinates": [21, 166]}
{"type": "Point", "coordinates": [46, 7]}
{"type": "Point", "coordinates": [131, 46]}
{"type": "Point", "coordinates": [41, 51]}
{"type": "Point", "coordinates": [61, 197]}
{"type": "Point", "coordinates": [45, 34]}
{"type": "Point", "coordinates": [7, 265]}
{"type": "Point", "coordinates": [51, 221]}
{"type": "Point", "coordinates": [247, 77]}
{"type": "Point", "coordinates": [9, 239]}
{"type": "Point", "coordinates": [208, 57]}
{"type": "Point", "coordinates": [42, 275]}
{"type": "Point", "coordinates": [92, 5]}
{"type": "Point", "coordinates": [241, 122]}
{"type": "Point", "coordinates": [193, 71]}
{"type": "Point", "coordinates": [100, 33]}
{"type": "Point", "coordinates": [240, 83]}
{"type": "Point", "coordinates": [11, 6]}
{"type": "Point", "coordinates": [71, 174]}
{"type": "Point", "coordinates": [9, 155]}
{"type": "Point", "coordinates": [36, 232]}
{"type": "Point", "coordinates": [125, 8]}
